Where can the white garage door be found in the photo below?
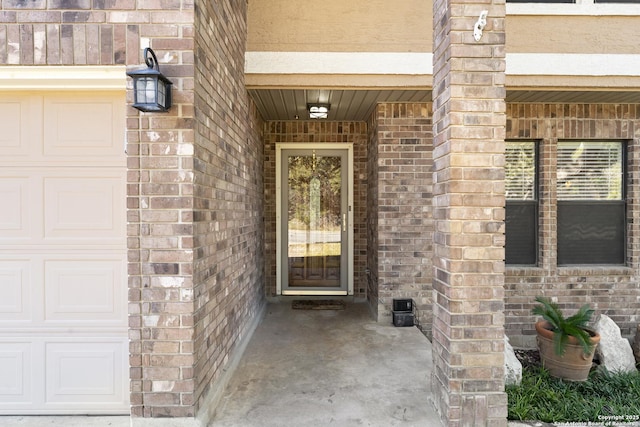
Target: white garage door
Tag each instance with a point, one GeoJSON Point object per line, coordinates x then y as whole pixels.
{"type": "Point", "coordinates": [63, 320]}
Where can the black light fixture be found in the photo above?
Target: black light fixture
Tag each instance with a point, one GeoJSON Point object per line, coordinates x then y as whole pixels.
{"type": "Point", "coordinates": [318, 111]}
{"type": "Point", "coordinates": [151, 89]}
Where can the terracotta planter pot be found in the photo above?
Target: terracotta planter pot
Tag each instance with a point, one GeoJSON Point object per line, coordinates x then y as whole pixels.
{"type": "Point", "coordinates": [574, 364]}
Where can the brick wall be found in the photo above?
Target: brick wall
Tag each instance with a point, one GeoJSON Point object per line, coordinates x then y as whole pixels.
{"type": "Point", "coordinates": [614, 291]}
{"type": "Point", "coordinates": [160, 241]}
{"type": "Point", "coordinates": [316, 133]}
{"type": "Point", "coordinates": [468, 209]}
{"type": "Point", "coordinates": [228, 193]}
{"type": "Point", "coordinates": [401, 235]}
{"type": "Point", "coordinates": [160, 210]}
{"type": "Point", "coordinates": [85, 32]}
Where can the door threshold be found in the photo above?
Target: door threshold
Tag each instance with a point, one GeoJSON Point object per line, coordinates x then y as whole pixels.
{"type": "Point", "coordinates": [313, 293]}
{"type": "Point", "coordinates": [289, 298]}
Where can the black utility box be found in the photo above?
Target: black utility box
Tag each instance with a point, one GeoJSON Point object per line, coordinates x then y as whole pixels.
{"type": "Point", "coordinates": [403, 312]}
{"type": "Point", "coordinates": [402, 318]}
{"type": "Point", "coordinates": [402, 304]}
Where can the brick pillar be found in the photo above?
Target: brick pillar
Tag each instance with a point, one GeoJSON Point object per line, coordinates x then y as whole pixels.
{"type": "Point", "coordinates": [160, 239]}
{"type": "Point", "coordinates": [468, 198]}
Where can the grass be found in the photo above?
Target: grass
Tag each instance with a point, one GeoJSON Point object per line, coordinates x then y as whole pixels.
{"type": "Point", "coordinates": [603, 396]}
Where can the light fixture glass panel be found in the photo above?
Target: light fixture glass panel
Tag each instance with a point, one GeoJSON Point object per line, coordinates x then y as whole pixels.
{"type": "Point", "coordinates": [150, 92]}
{"type": "Point", "coordinates": [162, 90]}
{"type": "Point", "coordinates": [145, 90]}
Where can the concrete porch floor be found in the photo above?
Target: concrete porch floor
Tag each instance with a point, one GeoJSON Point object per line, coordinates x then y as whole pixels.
{"type": "Point", "coordinates": [330, 367]}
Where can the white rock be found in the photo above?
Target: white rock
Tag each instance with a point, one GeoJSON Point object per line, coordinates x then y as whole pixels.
{"type": "Point", "coordinates": [636, 345]}
{"type": "Point", "coordinates": [614, 352]}
{"type": "Point", "coordinates": [512, 366]}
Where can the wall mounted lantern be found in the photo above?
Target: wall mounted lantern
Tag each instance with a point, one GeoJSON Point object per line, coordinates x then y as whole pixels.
{"type": "Point", "coordinates": [151, 89]}
{"type": "Point", "coordinates": [318, 111]}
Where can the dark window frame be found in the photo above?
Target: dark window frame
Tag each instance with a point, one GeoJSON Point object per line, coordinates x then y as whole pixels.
{"type": "Point", "coordinates": [571, 250]}
{"type": "Point", "coordinates": [528, 257]}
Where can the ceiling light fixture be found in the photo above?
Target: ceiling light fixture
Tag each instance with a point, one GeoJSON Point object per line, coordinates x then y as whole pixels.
{"type": "Point", "coordinates": [318, 111]}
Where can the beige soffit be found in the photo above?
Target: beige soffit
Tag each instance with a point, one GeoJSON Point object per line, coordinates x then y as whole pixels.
{"type": "Point", "coordinates": [63, 77]}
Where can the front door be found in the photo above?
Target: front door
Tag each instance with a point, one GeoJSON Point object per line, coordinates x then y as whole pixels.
{"type": "Point", "coordinates": [314, 219]}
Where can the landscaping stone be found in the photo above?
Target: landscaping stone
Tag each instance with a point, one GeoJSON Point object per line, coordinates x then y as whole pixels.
{"type": "Point", "coordinates": [512, 366]}
{"type": "Point", "coordinates": [614, 351]}
{"type": "Point", "coordinates": [636, 345]}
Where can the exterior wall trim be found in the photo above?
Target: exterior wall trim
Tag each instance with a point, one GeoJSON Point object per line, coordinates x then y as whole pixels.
{"type": "Point", "coordinates": [580, 8]}
{"type": "Point", "coordinates": [572, 64]}
{"type": "Point", "coordinates": [63, 78]}
{"type": "Point", "coordinates": [380, 63]}
{"type": "Point", "coordinates": [338, 63]}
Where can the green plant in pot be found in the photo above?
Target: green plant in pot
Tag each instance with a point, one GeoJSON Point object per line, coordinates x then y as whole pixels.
{"type": "Point", "coordinates": [566, 344]}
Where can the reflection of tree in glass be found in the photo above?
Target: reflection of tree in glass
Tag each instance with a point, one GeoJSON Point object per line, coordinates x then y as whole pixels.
{"type": "Point", "coordinates": [520, 171]}
{"type": "Point", "coordinates": [306, 172]}
{"type": "Point", "coordinates": [589, 171]}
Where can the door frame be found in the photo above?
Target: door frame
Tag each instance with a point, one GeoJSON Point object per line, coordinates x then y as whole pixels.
{"type": "Point", "coordinates": [279, 241]}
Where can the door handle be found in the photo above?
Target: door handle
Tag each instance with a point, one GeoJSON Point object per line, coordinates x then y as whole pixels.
{"type": "Point", "coordinates": [344, 222]}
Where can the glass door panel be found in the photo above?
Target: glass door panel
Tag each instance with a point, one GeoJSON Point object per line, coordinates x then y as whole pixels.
{"type": "Point", "coordinates": [314, 215]}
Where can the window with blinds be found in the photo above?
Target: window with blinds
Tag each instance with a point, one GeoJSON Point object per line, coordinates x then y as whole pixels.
{"type": "Point", "coordinates": [521, 212]}
{"type": "Point", "coordinates": [589, 171]}
{"type": "Point", "coordinates": [591, 204]}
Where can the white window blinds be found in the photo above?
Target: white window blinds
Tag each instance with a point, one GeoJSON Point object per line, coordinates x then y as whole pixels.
{"type": "Point", "coordinates": [590, 170]}
{"type": "Point", "coordinates": [520, 170]}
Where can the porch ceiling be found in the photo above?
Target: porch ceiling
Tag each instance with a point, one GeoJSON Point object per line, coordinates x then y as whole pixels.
{"type": "Point", "coordinates": [357, 105]}
{"type": "Point", "coordinates": [346, 105]}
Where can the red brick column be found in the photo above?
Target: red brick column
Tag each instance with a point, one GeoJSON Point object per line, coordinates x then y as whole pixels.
{"type": "Point", "coordinates": [468, 198]}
